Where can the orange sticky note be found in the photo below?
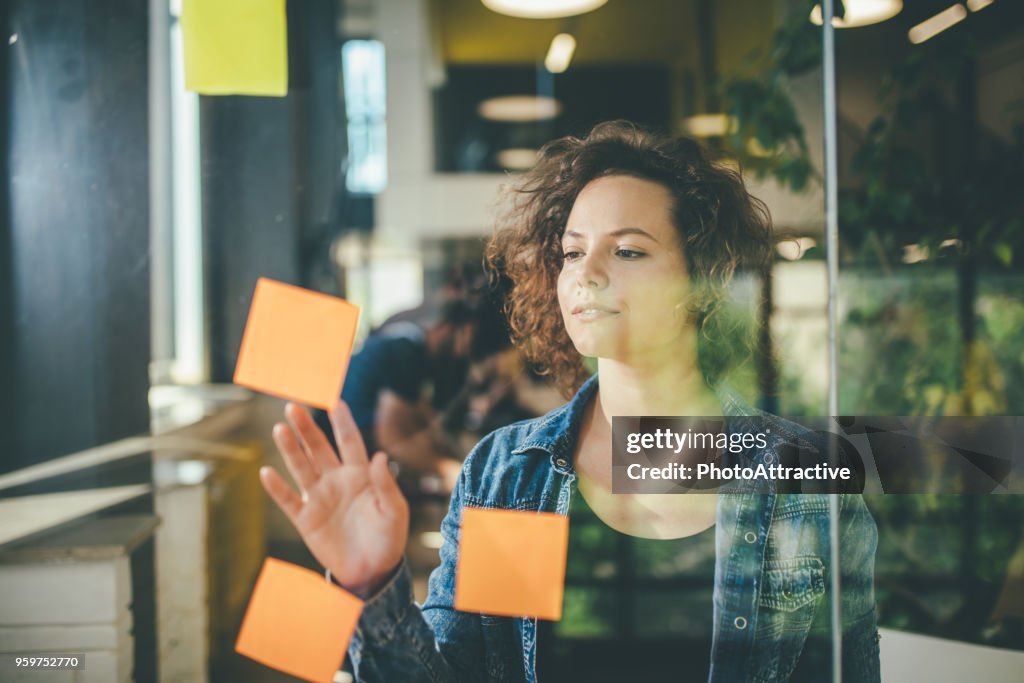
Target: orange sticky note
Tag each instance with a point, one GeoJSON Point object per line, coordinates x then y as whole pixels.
{"type": "Point", "coordinates": [297, 343]}
{"type": "Point", "coordinates": [512, 563]}
{"type": "Point", "coordinates": [297, 622]}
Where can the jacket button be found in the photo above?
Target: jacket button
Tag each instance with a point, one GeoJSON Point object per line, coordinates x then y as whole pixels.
{"type": "Point", "coordinates": [561, 462]}
{"type": "Point", "coordinates": [740, 623]}
{"type": "Point", "coordinates": [750, 537]}
{"type": "Point", "coordinates": [769, 458]}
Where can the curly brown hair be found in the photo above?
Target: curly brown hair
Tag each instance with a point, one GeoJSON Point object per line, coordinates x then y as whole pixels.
{"type": "Point", "coordinates": [721, 227]}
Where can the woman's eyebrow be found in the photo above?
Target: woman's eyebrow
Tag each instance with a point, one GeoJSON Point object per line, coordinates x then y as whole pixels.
{"type": "Point", "coordinates": [616, 233]}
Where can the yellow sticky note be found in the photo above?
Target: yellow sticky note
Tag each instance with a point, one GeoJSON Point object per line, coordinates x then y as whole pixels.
{"type": "Point", "coordinates": [235, 47]}
{"type": "Point", "coordinates": [298, 623]}
{"type": "Point", "coordinates": [297, 343]}
{"type": "Point", "coordinates": [512, 563]}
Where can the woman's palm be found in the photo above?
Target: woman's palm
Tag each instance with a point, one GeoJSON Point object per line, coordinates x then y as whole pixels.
{"type": "Point", "coordinates": [351, 514]}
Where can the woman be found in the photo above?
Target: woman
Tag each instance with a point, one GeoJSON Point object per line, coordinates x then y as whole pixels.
{"type": "Point", "coordinates": [618, 247]}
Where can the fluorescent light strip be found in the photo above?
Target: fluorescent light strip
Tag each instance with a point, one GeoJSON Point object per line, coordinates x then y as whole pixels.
{"type": "Point", "coordinates": [517, 158]}
{"type": "Point", "coordinates": [709, 125]}
{"type": "Point", "coordinates": [519, 108]}
{"type": "Point", "coordinates": [560, 53]}
{"type": "Point", "coordinates": [978, 5]}
{"type": "Point", "coordinates": [929, 28]}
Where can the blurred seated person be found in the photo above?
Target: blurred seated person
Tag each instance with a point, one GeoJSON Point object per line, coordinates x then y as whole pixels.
{"type": "Point", "coordinates": [389, 383]}
{"type": "Point", "coordinates": [500, 389]}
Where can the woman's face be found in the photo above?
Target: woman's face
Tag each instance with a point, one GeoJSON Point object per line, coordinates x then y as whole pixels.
{"type": "Point", "coordinates": [623, 278]}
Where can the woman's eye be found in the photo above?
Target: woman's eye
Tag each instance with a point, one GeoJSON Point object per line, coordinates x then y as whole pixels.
{"type": "Point", "coordinates": [571, 255]}
{"type": "Point", "coordinates": [630, 253]}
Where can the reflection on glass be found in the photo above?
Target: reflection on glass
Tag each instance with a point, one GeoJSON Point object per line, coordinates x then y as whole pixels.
{"type": "Point", "coordinates": [932, 307]}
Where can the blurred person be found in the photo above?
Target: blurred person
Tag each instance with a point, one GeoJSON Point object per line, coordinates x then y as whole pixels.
{"type": "Point", "coordinates": [500, 389]}
{"type": "Point", "coordinates": [618, 246]}
{"type": "Point", "coordinates": [389, 380]}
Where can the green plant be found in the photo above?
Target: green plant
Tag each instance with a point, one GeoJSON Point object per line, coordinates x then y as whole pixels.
{"type": "Point", "coordinates": [768, 139]}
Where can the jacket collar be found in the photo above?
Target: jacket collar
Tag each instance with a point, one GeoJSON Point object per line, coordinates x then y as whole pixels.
{"type": "Point", "coordinates": [559, 428]}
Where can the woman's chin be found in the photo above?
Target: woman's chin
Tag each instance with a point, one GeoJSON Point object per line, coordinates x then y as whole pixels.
{"type": "Point", "coordinates": [594, 348]}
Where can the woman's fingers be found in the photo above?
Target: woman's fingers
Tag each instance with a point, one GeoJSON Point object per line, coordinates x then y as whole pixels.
{"type": "Point", "coordinates": [392, 502]}
{"type": "Point", "coordinates": [282, 494]}
{"type": "Point", "coordinates": [311, 438]}
{"type": "Point", "coordinates": [295, 458]}
{"type": "Point", "coordinates": [346, 433]}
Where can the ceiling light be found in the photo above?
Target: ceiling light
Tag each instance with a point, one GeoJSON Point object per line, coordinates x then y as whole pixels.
{"type": "Point", "coordinates": [542, 9]}
{"type": "Point", "coordinates": [709, 125]}
{"type": "Point", "coordinates": [519, 108]}
{"type": "Point", "coordinates": [794, 248]}
{"type": "Point", "coordinates": [977, 5]}
{"type": "Point", "coordinates": [756, 149]}
{"type": "Point", "coordinates": [516, 158]}
{"type": "Point", "coordinates": [560, 53]}
{"type": "Point", "coordinates": [861, 13]}
{"type": "Point", "coordinates": [914, 253]}
{"type": "Point", "coordinates": [431, 539]}
{"type": "Point", "coordinates": [929, 28]}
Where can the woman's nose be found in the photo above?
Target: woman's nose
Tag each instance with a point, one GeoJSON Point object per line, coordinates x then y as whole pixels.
{"type": "Point", "coordinates": [592, 273]}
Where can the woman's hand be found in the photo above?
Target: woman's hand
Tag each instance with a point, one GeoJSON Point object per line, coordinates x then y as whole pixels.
{"type": "Point", "coordinates": [351, 514]}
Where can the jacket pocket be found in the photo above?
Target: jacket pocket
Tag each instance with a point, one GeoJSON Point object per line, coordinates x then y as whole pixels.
{"type": "Point", "coordinates": [792, 584]}
{"type": "Point", "coordinates": [791, 592]}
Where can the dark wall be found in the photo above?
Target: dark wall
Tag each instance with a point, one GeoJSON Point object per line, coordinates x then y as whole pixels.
{"type": "Point", "coordinates": [467, 143]}
{"type": "Point", "coordinates": [75, 232]}
{"type": "Point", "coordinates": [270, 168]}
{"type": "Point", "coordinates": [74, 236]}
{"type": "Point", "coordinates": [249, 211]}
{"type": "Point", "coordinates": [7, 402]}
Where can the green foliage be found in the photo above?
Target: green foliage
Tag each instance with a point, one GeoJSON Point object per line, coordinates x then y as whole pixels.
{"type": "Point", "coordinates": [768, 139]}
{"type": "Point", "coordinates": [944, 561]}
{"type": "Point", "coordinates": [901, 352]}
{"type": "Point", "coordinates": [926, 172]}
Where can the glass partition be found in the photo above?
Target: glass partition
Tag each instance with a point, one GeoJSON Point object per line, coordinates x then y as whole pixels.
{"type": "Point", "coordinates": [930, 282]}
{"type": "Point", "coordinates": [138, 215]}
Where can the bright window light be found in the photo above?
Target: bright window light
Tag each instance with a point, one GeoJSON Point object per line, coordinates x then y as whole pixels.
{"type": "Point", "coordinates": [189, 365]}
{"type": "Point", "coordinates": [362, 64]}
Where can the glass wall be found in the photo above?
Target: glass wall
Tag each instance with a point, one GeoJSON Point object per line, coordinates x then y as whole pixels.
{"type": "Point", "coordinates": [930, 297]}
{"type": "Point", "coordinates": [138, 215]}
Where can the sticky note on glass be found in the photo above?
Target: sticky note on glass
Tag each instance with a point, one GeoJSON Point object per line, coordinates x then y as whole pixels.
{"type": "Point", "coordinates": [512, 563]}
{"type": "Point", "coordinates": [297, 622]}
{"type": "Point", "coordinates": [235, 47]}
{"type": "Point", "coordinates": [297, 343]}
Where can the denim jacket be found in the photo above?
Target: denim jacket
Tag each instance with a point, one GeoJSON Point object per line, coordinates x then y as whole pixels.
{"type": "Point", "coordinates": [771, 586]}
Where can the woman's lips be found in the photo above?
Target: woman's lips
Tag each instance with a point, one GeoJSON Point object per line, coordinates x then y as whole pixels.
{"type": "Point", "coordinates": [592, 312]}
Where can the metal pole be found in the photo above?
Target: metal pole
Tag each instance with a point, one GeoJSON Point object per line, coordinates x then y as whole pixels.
{"type": "Point", "coordinates": [832, 249]}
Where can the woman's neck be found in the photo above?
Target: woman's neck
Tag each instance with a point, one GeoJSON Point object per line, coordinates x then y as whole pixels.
{"type": "Point", "coordinates": [673, 388]}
